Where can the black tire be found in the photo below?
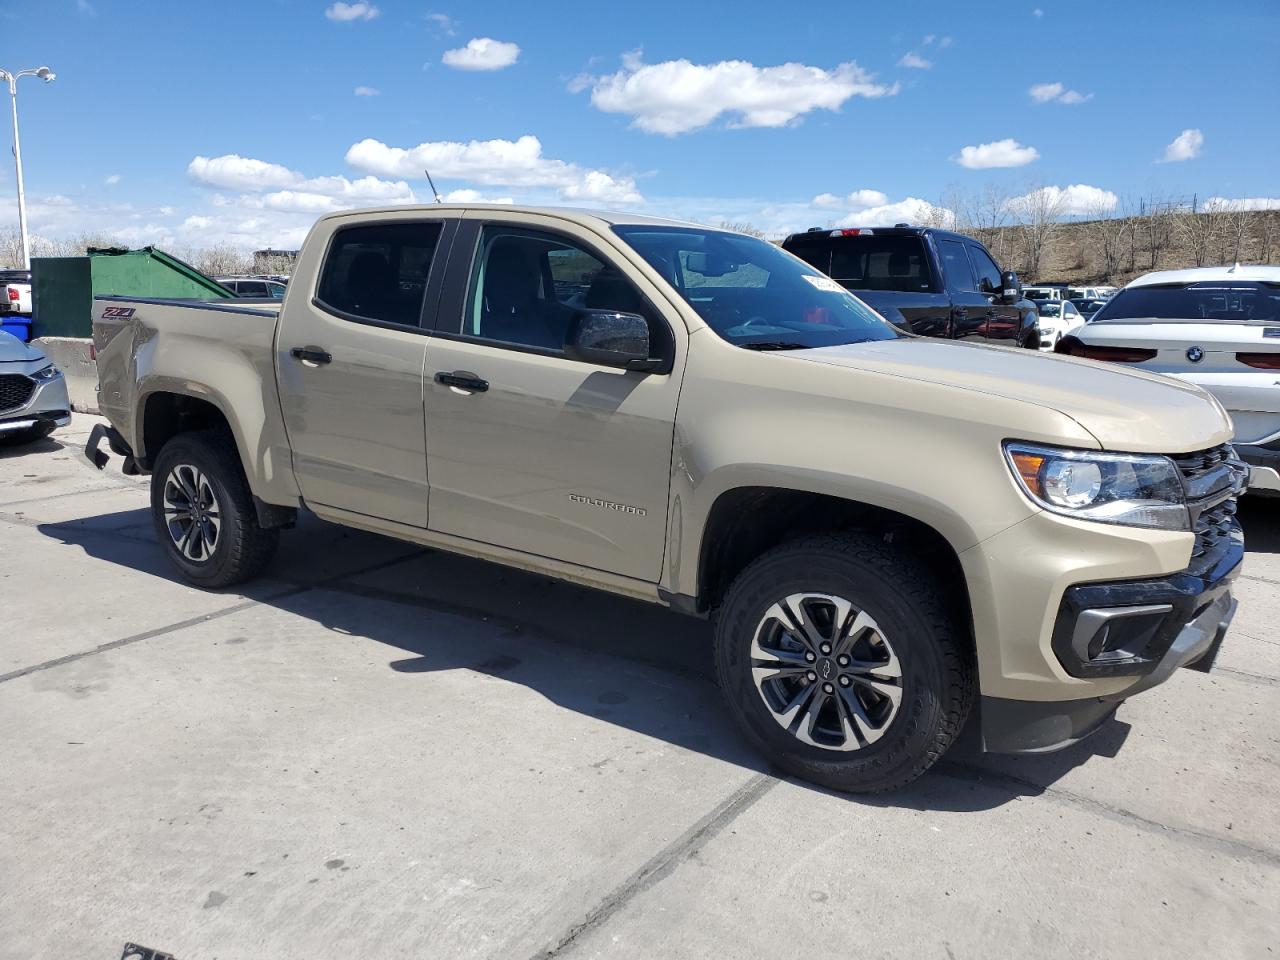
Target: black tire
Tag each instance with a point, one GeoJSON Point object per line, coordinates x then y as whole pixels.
{"type": "Point", "coordinates": [20, 438]}
{"type": "Point", "coordinates": [937, 681]}
{"type": "Point", "coordinates": [242, 549]}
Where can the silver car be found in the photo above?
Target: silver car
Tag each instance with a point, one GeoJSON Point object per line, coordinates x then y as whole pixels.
{"type": "Point", "coordinates": [33, 393]}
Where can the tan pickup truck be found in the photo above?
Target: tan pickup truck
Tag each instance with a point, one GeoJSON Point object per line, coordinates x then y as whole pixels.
{"type": "Point", "coordinates": [889, 531]}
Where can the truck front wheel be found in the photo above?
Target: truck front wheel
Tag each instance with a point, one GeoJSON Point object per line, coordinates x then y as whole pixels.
{"type": "Point", "coordinates": [203, 511]}
{"type": "Point", "coordinates": [842, 664]}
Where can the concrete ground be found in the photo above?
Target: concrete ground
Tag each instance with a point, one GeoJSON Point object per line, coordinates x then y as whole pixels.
{"type": "Point", "coordinates": [380, 750]}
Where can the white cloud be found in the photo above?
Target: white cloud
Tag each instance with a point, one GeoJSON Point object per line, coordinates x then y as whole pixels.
{"type": "Point", "coordinates": [1057, 92]}
{"type": "Point", "coordinates": [946, 42]}
{"type": "Point", "coordinates": [443, 23]}
{"type": "Point", "coordinates": [517, 163]}
{"type": "Point", "coordinates": [677, 96]}
{"type": "Point", "coordinates": [998, 153]}
{"type": "Point", "coordinates": [292, 190]}
{"type": "Point", "coordinates": [927, 39]}
{"type": "Point", "coordinates": [1037, 13]}
{"type": "Point", "coordinates": [1044, 92]}
{"type": "Point", "coordinates": [345, 12]}
{"type": "Point", "coordinates": [234, 172]}
{"type": "Point", "coordinates": [1185, 146]}
{"type": "Point", "coordinates": [85, 8]}
{"type": "Point", "coordinates": [914, 61]}
{"type": "Point", "coordinates": [911, 210]}
{"type": "Point", "coordinates": [599, 187]}
{"type": "Point", "coordinates": [482, 53]}
{"type": "Point", "coordinates": [857, 200]}
{"type": "Point", "coordinates": [467, 195]}
{"type": "Point", "coordinates": [112, 180]}
{"type": "Point", "coordinates": [1242, 203]}
{"type": "Point", "coordinates": [1076, 200]}
{"type": "Point", "coordinates": [367, 91]}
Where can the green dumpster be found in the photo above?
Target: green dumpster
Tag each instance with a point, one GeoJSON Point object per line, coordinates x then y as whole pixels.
{"type": "Point", "coordinates": [63, 288]}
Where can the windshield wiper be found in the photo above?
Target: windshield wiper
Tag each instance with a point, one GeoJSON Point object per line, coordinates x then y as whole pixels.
{"type": "Point", "coordinates": [773, 345]}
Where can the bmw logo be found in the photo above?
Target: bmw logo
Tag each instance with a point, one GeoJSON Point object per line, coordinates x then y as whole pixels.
{"type": "Point", "coordinates": [1195, 354]}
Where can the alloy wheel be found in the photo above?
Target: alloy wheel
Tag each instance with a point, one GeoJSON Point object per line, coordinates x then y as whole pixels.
{"type": "Point", "coordinates": [826, 672]}
{"type": "Point", "coordinates": [191, 513]}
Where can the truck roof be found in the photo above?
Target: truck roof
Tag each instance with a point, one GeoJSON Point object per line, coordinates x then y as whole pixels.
{"type": "Point", "coordinates": [564, 213]}
{"type": "Point", "coordinates": [900, 230]}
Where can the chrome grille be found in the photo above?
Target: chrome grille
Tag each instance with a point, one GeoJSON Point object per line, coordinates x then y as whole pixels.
{"type": "Point", "coordinates": [15, 391]}
{"type": "Point", "coordinates": [1210, 478]}
{"type": "Point", "coordinates": [1215, 526]}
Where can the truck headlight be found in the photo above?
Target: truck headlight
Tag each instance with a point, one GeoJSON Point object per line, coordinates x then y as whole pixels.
{"type": "Point", "coordinates": [1134, 490]}
{"type": "Point", "coordinates": [47, 372]}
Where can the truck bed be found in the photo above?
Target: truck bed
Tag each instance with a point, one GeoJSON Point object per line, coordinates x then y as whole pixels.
{"type": "Point", "coordinates": [147, 346]}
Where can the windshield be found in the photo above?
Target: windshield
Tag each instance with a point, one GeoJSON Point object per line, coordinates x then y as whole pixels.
{"type": "Point", "coordinates": [1047, 308]}
{"type": "Point", "coordinates": [1230, 300]}
{"type": "Point", "coordinates": [753, 294]}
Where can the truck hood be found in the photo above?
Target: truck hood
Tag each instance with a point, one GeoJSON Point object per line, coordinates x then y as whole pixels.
{"type": "Point", "coordinates": [1125, 410]}
{"type": "Point", "coordinates": [14, 350]}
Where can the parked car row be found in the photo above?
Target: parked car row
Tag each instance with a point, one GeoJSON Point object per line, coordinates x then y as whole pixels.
{"type": "Point", "coordinates": [257, 288]}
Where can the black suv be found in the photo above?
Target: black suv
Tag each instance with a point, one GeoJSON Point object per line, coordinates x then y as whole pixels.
{"type": "Point", "coordinates": [935, 283]}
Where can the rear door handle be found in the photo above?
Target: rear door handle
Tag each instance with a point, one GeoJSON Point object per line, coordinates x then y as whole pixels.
{"type": "Point", "coordinates": [311, 355]}
{"type": "Point", "coordinates": [463, 380]}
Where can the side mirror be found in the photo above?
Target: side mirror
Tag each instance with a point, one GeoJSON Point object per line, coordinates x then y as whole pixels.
{"type": "Point", "coordinates": [1010, 287]}
{"type": "Point", "coordinates": [609, 338]}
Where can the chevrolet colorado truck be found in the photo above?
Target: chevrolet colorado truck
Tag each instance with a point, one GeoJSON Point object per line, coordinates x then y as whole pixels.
{"type": "Point", "coordinates": [928, 281]}
{"type": "Point", "coordinates": [889, 531]}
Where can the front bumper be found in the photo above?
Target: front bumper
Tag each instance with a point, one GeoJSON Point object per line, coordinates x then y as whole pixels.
{"type": "Point", "coordinates": [1264, 468]}
{"type": "Point", "coordinates": [47, 403]}
{"type": "Point", "coordinates": [1028, 726]}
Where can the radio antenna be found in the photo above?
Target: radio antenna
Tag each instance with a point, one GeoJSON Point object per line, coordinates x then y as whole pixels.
{"type": "Point", "coordinates": [439, 199]}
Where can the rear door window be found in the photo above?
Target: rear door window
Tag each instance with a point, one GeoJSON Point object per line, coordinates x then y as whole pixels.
{"type": "Point", "coordinates": [955, 265]}
{"type": "Point", "coordinates": [880, 263]}
{"type": "Point", "coordinates": [378, 272]}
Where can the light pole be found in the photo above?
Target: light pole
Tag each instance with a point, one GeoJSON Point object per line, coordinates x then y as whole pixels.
{"type": "Point", "coordinates": [47, 75]}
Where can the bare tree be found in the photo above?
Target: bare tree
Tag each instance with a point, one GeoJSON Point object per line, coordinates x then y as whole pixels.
{"type": "Point", "coordinates": [989, 211]}
{"type": "Point", "coordinates": [750, 229]}
{"type": "Point", "coordinates": [1039, 213]}
{"type": "Point", "coordinates": [1266, 230]}
{"type": "Point", "coordinates": [1233, 235]}
{"type": "Point", "coordinates": [221, 260]}
{"type": "Point", "coordinates": [1198, 232]}
{"type": "Point", "coordinates": [1155, 224]}
{"type": "Point", "coordinates": [1108, 234]}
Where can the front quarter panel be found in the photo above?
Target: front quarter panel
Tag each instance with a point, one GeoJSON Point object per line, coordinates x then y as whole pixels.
{"type": "Point", "coordinates": [928, 451]}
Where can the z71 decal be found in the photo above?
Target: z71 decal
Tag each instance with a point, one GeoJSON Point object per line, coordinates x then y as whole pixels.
{"type": "Point", "coordinates": [117, 313]}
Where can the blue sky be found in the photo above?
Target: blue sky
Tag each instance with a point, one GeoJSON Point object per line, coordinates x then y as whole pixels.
{"type": "Point", "coordinates": [188, 124]}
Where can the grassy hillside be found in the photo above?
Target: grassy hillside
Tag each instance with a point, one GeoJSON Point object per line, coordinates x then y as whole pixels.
{"type": "Point", "coordinates": [1117, 250]}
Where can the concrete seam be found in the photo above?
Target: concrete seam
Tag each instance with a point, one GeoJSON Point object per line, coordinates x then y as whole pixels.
{"type": "Point", "coordinates": [663, 863]}
{"type": "Point", "coordinates": [194, 621]}
{"type": "Point", "coordinates": [1236, 848]}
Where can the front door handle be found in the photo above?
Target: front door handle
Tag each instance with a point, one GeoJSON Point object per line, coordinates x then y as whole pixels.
{"type": "Point", "coordinates": [463, 380]}
{"type": "Point", "coordinates": [312, 355]}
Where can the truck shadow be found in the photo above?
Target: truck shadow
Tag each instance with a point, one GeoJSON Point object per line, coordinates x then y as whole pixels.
{"type": "Point", "coordinates": [624, 662]}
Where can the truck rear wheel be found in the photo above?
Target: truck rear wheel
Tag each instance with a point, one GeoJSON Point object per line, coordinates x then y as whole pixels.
{"type": "Point", "coordinates": [841, 663]}
{"type": "Point", "coordinates": [203, 511]}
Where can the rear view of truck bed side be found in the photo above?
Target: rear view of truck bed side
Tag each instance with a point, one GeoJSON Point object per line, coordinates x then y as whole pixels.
{"type": "Point", "coordinates": [136, 339]}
